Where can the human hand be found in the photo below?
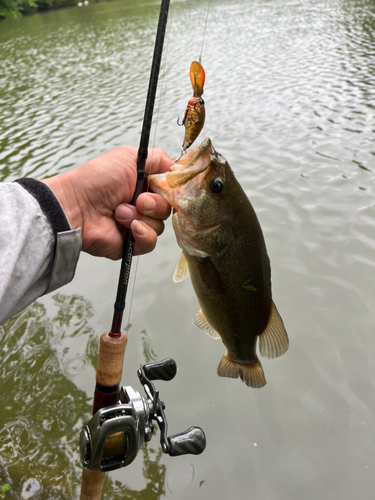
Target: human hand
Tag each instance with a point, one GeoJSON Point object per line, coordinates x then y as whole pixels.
{"type": "Point", "coordinates": [96, 197]}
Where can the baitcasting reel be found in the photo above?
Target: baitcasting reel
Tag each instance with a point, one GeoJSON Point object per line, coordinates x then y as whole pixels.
{"type": "Point", "coordinates": [113, 436]}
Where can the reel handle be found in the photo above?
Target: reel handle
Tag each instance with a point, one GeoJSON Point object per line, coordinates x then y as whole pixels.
{"type": "Point", "coordinates": [192, 441]}
{"type": "Point", "coordinates": [161, 370]}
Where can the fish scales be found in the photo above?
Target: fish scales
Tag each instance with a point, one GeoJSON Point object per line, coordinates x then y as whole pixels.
{"type": "Point", "coordinates": [230, 308]}
{"type": "Point", "coordinates": [225, 254]}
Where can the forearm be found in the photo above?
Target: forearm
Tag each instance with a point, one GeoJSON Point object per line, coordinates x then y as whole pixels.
{"type": "Point", "coordinates": [38, 250]}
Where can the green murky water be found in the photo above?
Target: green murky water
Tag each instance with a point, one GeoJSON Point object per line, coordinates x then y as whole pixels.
{"type": "Point", "coordinates": [290, 103]}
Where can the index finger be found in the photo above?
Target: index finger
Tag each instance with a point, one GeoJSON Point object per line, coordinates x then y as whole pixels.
{"type": "Point", "coordinates": [158, 161]}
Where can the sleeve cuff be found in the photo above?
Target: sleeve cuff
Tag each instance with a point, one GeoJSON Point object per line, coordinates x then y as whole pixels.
{"type": "Point", "coordinates": [68, 242]}
{"type": "Point", "coordinates": [67, 250]}
{"type": "Point", "coordinates": [48, 203]}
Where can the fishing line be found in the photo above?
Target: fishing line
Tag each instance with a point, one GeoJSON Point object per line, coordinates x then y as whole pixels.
{"type": "Point", "coordinates": [165, 58]}
{"type": "Point", "coordinates": [156, 121]}
{"type": "Point", "coordinates": [129, 241]}
{"type": "Point", "coordinates": [204, 32]}
{"type": "Point", "coordinates": [133, 289]}
{"type": "Point", "coordinates": [113, 343]}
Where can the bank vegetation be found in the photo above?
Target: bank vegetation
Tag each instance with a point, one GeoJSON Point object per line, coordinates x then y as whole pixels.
{"type": "Point", "coordinates": [13, 9]}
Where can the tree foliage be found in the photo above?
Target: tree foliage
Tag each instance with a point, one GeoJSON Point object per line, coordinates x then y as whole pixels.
{"type": "Point", "coordinates": [13, 9]}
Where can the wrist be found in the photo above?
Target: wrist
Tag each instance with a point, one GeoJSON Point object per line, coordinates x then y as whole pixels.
{"type": "Point", "coordinates": [64, 189]}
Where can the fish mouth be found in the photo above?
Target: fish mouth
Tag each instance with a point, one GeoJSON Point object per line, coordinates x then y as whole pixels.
{"type": "Point", "coordinates": [191, 164]}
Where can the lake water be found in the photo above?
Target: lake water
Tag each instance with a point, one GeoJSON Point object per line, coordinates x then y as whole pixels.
{"type": "Point", "coordinates": [290, 101]}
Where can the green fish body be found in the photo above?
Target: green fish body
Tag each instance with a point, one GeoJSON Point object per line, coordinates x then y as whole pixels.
{"type": "Point", "coordinates": [224, 252]}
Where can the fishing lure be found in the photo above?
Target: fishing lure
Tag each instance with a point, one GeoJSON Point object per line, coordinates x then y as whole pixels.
{"type": "Point", "coordinates": [195, 112]}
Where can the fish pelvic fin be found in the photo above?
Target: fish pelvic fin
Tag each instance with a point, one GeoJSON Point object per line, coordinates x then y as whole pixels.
{"type": "Point", "coordinates": [182, 269]}
{"type": "Point", "coordinates": [252, 373]}
{"type": "Point", "coordinates": [201, 322]}
{"type": "Point", "coordinates": [273, 341]}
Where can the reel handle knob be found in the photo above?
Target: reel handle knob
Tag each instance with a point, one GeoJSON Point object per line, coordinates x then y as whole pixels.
{"type": "Point", "coordinates": [192, 441]}
{"type": "Point", "coordinates": [161, 370]}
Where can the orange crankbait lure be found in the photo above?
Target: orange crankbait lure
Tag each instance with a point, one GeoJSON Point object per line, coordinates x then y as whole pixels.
{"type": "Point", "coordinates": [195, 112]}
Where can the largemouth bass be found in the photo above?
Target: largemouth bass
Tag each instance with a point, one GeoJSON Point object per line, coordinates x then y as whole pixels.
{"type": "Point", "coordinates": [224, 251]}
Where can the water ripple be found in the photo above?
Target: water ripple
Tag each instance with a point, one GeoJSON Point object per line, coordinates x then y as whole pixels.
{"type": "Point", "coordinates": [290, 103]}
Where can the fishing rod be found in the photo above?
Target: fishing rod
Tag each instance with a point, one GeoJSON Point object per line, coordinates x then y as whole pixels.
{"type": "Point", "coordinates": [113, 343]}
{"type": "Point", "coordinates": [114, 336]}
{"type": "Point", "coordinates": [141, 162]}
{"type": "Point", "coordinates": [122, 420]}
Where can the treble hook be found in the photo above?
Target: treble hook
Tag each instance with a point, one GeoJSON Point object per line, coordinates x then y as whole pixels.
{"type": "Point", "coordinates": [183, 121]}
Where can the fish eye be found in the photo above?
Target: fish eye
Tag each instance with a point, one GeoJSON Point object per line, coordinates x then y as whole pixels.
{"type": "Point", "coordinates": [201, 101]}
{"type": "Point", "coordinates": [216, 186]}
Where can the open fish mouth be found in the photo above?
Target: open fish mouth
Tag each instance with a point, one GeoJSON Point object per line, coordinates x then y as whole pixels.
{"type": "Point", "coordinates": [185, 158]}
{"type": "Point", "coordinates": [192, 155]}
{"type": "Point", "coordinates": [191, 164]}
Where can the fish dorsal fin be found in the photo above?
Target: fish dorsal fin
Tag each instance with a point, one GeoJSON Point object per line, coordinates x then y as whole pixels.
{"type": "Point", "coordinates": [182, 269]}
{"type": "Point", "coordinates": [273, 342]}
{"type": "Point", "coordinates": [200, 321]}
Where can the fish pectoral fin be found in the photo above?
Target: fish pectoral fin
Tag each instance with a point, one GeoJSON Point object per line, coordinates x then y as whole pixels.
{"type": "Point", "coordinates": [200, 321]}
{"type": "Point", "coordinates": [273, 342]}
{"type": "Point", "coordinates": [182, 269]}
{"type": "Point", "coordinates": [251, 373]}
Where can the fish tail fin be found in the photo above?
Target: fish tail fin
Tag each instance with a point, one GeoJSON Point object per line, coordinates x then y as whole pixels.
{"type": "Point", "coordinates": [252, 373]}
{"type": "Point", "coordinates": [273, 342]}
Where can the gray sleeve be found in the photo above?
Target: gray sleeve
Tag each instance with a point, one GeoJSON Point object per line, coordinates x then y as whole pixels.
{"type": "Point", "coordinates": [38, 249]}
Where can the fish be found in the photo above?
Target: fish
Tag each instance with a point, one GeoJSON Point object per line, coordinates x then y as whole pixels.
{"type": "Point", "coordinates": [224, 252]}
{"type": "Point", "coordinates": [195, 113]}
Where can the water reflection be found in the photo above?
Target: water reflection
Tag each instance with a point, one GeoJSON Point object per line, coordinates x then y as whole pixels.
{"type": "Point", "coordinates": [43, 410]}
{"type": "Point", "coordinates": [148, 351]}
{"type": "Point", "coordinates": [154, 473]}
